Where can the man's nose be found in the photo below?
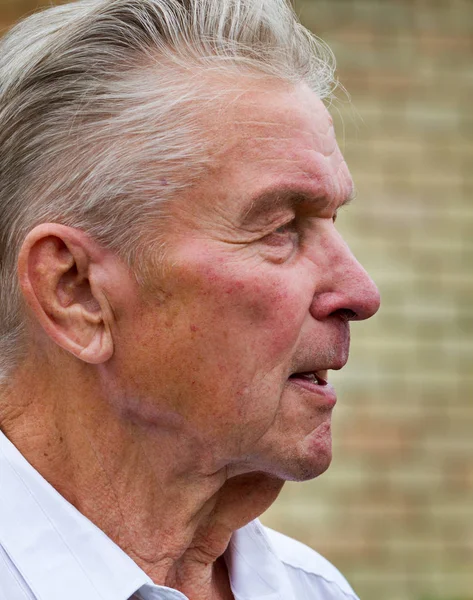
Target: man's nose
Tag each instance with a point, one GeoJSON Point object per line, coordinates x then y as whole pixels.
{"type": "Point", "coordinates": [349, 291]}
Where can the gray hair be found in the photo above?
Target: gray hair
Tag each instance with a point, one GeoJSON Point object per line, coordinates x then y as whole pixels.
{"type": "Point", "coordinates": [98, 105]}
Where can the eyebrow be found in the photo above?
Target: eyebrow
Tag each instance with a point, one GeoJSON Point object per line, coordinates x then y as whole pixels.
{"type": "Point", "coordinates": [279, 198]}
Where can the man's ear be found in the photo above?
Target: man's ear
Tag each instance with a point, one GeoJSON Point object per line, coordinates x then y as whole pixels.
{"type": "Point", "coordinates": [57, 268]}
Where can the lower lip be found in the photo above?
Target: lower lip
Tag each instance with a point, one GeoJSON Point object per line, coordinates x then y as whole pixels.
{"type": "Point", "coordinates": [325, 393]}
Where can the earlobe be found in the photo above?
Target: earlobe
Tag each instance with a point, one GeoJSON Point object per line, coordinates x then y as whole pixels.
{"type": "Point", "coordinates": [56, 270]}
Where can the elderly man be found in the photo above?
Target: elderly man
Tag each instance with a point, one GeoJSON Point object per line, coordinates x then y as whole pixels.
{"type": "Point", "coordinates": [173, 294]}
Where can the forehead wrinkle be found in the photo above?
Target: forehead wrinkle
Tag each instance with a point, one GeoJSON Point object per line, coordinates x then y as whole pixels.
{"type": "Point", "coordinates": [318, 143]}
{"type": "Point", "coordinates": [323, 143]}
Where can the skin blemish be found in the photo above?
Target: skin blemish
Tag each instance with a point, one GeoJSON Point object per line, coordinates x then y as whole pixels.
{"type": "Point", "coordinates": [194, 328]}
{"type": "Point", "coordinates": [237, 286]}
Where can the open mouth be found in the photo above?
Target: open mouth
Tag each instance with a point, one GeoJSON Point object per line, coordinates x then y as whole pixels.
{"type": "Point", "coordinates": [314, 377]}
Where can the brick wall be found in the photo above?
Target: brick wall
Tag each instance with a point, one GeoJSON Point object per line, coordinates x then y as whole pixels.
{"type": "Point", "coordinates": [395, 510]}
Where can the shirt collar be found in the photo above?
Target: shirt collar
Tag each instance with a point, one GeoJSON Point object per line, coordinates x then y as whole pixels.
{"type": "Point", "coordinates": [82, 562]}
{"type": "Point", "coordinates": [37, 522]}
{"type": "Point", "coordinates": [254, 569]}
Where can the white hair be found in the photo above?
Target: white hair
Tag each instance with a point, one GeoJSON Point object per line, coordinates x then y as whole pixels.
{"type": "Point", "coordinates": [98, 114]}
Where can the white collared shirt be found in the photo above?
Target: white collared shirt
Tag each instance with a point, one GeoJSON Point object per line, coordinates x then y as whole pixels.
{"type": "Point", "coordinates": [50, 551]}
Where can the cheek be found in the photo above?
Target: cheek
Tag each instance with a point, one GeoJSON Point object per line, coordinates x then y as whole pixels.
{"type": "Point", "coordinates": [264, 308]}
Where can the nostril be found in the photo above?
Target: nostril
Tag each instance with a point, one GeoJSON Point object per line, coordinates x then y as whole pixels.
{"type": "Point", "coordinates": [344, 313]}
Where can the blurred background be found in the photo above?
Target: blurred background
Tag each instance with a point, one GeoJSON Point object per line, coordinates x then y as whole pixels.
{"type": "Point", "coordinates": [395, 510]}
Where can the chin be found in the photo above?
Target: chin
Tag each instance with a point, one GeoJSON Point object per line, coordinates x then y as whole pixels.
{"type": "Point", "coordinates": [306, 469]}
{"type": "Point", "coordinates": [311, 458]}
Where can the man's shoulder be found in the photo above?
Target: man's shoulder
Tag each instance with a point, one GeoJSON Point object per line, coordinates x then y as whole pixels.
{"type": "Point", "coordinates": [310, 567]}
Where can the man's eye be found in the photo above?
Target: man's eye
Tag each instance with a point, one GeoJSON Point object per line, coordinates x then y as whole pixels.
{"type": "Point", "coordinates": [286, 228]}
{"type": "Point", "coordinates": [284, 234]}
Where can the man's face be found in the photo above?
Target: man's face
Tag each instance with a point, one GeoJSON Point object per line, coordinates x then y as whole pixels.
{"type": "Point", "coordinates": [231, 349]}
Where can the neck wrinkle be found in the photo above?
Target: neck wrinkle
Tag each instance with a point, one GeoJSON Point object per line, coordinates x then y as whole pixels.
{"type": "Point", "coordinates": [149, 494]}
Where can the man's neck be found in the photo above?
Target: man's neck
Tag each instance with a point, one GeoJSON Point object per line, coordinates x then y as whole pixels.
{"type": "Point", "coordinates": [153, 493]}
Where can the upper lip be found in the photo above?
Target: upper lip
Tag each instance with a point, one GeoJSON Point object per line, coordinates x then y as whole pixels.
{"type": "Point", "coordinates": [333, 366]}
{"type": "Point", "coordinates": [321, 370]}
